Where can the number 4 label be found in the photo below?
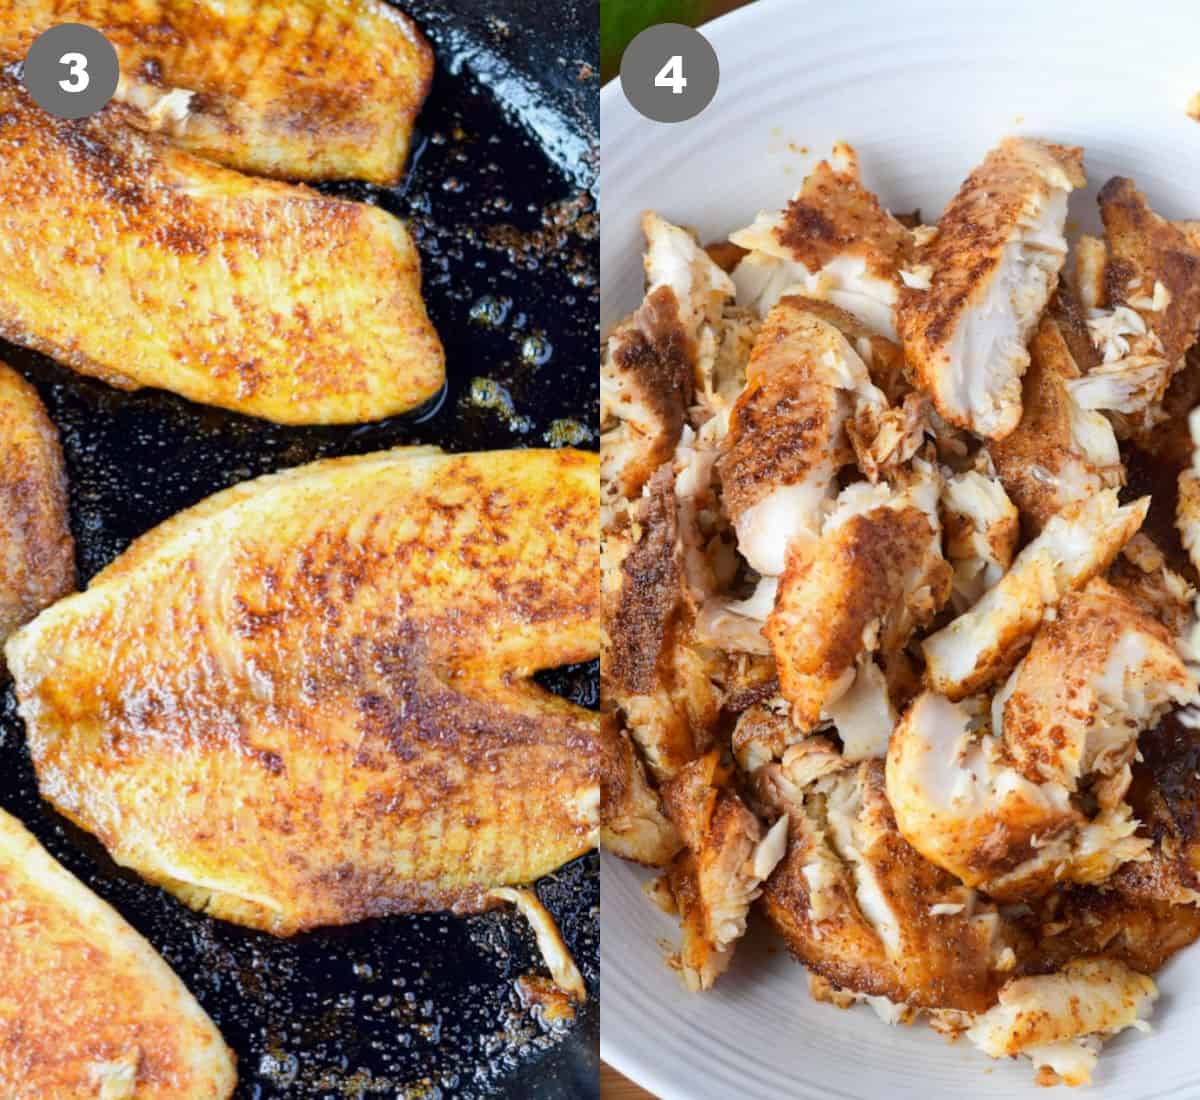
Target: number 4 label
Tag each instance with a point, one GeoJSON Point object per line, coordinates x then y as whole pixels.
{"type": "Point", "coordinates": [671, 75]}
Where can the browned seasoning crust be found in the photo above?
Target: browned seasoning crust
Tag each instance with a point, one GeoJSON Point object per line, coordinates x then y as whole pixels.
{"type": "Point", "coordinates": [297, 89]}
{"type": "Point", "coordinates": [786, 420]}
{"type": "Point", "coordinates": [833, 588]}
{"type": "Point", "coordinates": [306, 701]}
{"type": "Point", "coordinates": [649, 591]}
{"type": "Point", "coordinates": [650, 363]}
{"type": "Point", "coordinates": [37, 561]}
{"type": "Point", "coordinates": [1146, 911]}
{"type": "Point", "coordinates": [835, 215]}
{"type": "Point", "coordinates": [966, 250]}
{"type": "Point", "coordinates": [127, 259]}
{"type": "Point", "coordinates": [1040, 464]}
{"type": "Point", "coordinates": [1145, 248]}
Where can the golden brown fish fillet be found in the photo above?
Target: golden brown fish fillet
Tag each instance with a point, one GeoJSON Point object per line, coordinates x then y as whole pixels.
{"type": "Point", "coordinates": [302, 89]}
{"type": "Point", "coordinates": [127, 259]}
{"type": "Point", "coordinates": [37, 555]}
{"type": "Point", "coordinates": [306, 700]}
{"type": "Point", "coordinates": [87, 1008]}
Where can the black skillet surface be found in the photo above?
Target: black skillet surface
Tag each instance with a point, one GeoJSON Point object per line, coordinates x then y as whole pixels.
{"type": "Point", "coordinates": [498, 199]}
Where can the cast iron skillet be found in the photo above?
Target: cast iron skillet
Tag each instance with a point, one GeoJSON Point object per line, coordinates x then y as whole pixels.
{"type": "Point", "coordinates": [500, 198]}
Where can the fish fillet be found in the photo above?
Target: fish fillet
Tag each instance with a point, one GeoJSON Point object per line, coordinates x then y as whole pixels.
{"type": "Point", "coordinates": [302, 89]}
{"type": "Point", "coordinates": [37, 555]}
{"type": "Point", "coordinates": [306, 700]}
{"type": "Point", "coordinates": [87, 1008]}
{"type": "Point", "coordinates": [127, 259]}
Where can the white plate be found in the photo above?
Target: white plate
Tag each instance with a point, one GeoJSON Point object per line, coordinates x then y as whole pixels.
{"type": "Point", "coordinates": [921, 89]}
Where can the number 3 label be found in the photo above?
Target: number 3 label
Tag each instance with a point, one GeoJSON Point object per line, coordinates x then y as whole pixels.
{"type": "Point", "coordinates": [671, 75]}
{"type": "Point", "coordinates": [77, 63]}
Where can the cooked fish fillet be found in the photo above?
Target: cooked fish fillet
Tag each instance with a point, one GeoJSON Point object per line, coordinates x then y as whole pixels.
{"type": "Point", "coordinates": [654, 360]}
{"type": "Point", "coordinates": [129, 260]}
{"type": "Point", "coordinates": [305, 701]}
{"type": "Point", "coordinates": [37, 556]}
{"type": "Point", "coordinates": [1153, 267]}
{"type": "Point", "coordinates": [787, 438]}
{"type": "Point", "coordinates": [860, 907]}
{"type": "Point", "coordinates": [1049, 1018]}
{"type": "Point", "coordinates": [654, 669]}
{"type": "Point", "coordinates": [875, 573]}
{"type": "Point", "coordinates": [1060, 452]}
{"type": "Point", "coordinates": [983, 644]}
{"type": "Point", "coordinates": [1095, 676]}
{"type": "Point", "coordinates": [1142, 573]}
{"type": "Point", "coordinates": [87, 1007]}
{"type": "Point", "coordinates": [632, 821]}
{"type": "Point", "coordinates": [726, 858]}
{"type": "Point", "coordinates": [961, 803]}
{"type": "Point", "coordinates": [982, 527]}
{"type": "Point", "coordinates": [1187, 506]}
{"type": "Point", "coordinates": [834, 241]}
{"type": "Point", "coordinates": [302, 89]}
{"type": "Point", "coordinates": [994, 262]}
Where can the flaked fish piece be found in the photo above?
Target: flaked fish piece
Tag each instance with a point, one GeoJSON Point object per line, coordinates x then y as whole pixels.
{"type": "Point", "coordinates": [652, 360]}
{"type": "Point", "coordinates": [995, 261]}
{"type": "Point", "coordinates": [726, 858]}
{"type": "Point", "coordinates": [89, 1009]}
{"type": "Point", "coordinates": [787, 437]}
{"type": "Point", "coordinates": [1059, 1020]}
{"type": "Point", "coordinates": [1150, 314]}
{"type": "Point", "coordinates": [982, 527]}
{"type": "Point", "coordinates": [1187, 508]}
{"type": "Point", "coordinates": [654, 668]}
{"type": "Point", "coordinates": [307, 700]}
{"type": "Point", "coordinates": [132, 261]}
{"type": "Point", "coordinates": [1141, 572]}
{"type": "Point", "coordinates": [983, 644]}
{"type": "Point", "coordinates": [834, 242]}
{"type": "Point", "coordinates": [1061, 451]}
{"type": "Point", "coordinates": [861, 908]}
{"type": "Point", "coordinates": [1096, 675]}
{"type": "Point", "coordinates": [298, 89]}
{"type": "Point", "coordinates": [1089, 272]}
{"type": "Point", "coordinates": [37, 553]}
{"type": "Point", "coordinates": [632, 822]}
{"type": "Point", "coordinates": [1152, 268]}
{"type": "Point", "coordinates": [961, 803]}
{"type": "Point", "coordinates": [875, 574]}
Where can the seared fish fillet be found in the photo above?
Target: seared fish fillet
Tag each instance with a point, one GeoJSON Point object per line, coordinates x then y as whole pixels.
{"type": "Point", "coordinates": [37, 555]}
{"type": "Point", "coordinates": [993, 264]}
{"type": "Point", "coordinates": [306, 700]}
{"type": "Point", "coordinates": [87, 1008]}
{"type": "Point", "coordinates": [303, 89]}
{"type": "Point", "coordinates": [127, 259]}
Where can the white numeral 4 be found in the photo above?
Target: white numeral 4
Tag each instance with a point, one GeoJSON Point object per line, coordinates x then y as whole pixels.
{"type": "Point", "coordinates": [77, 63]}
{"type": "Point", "coordinates": [671, 75]}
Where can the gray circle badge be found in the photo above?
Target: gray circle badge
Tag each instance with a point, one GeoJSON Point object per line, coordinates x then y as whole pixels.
{"type": "Point", "coordinates": [669, 72]}
{"type": "Point", "coordinates": [71, 70]}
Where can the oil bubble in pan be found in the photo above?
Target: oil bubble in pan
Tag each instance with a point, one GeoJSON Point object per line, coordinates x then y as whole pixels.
{"type": "Point", "coordinates": [500, 201]}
